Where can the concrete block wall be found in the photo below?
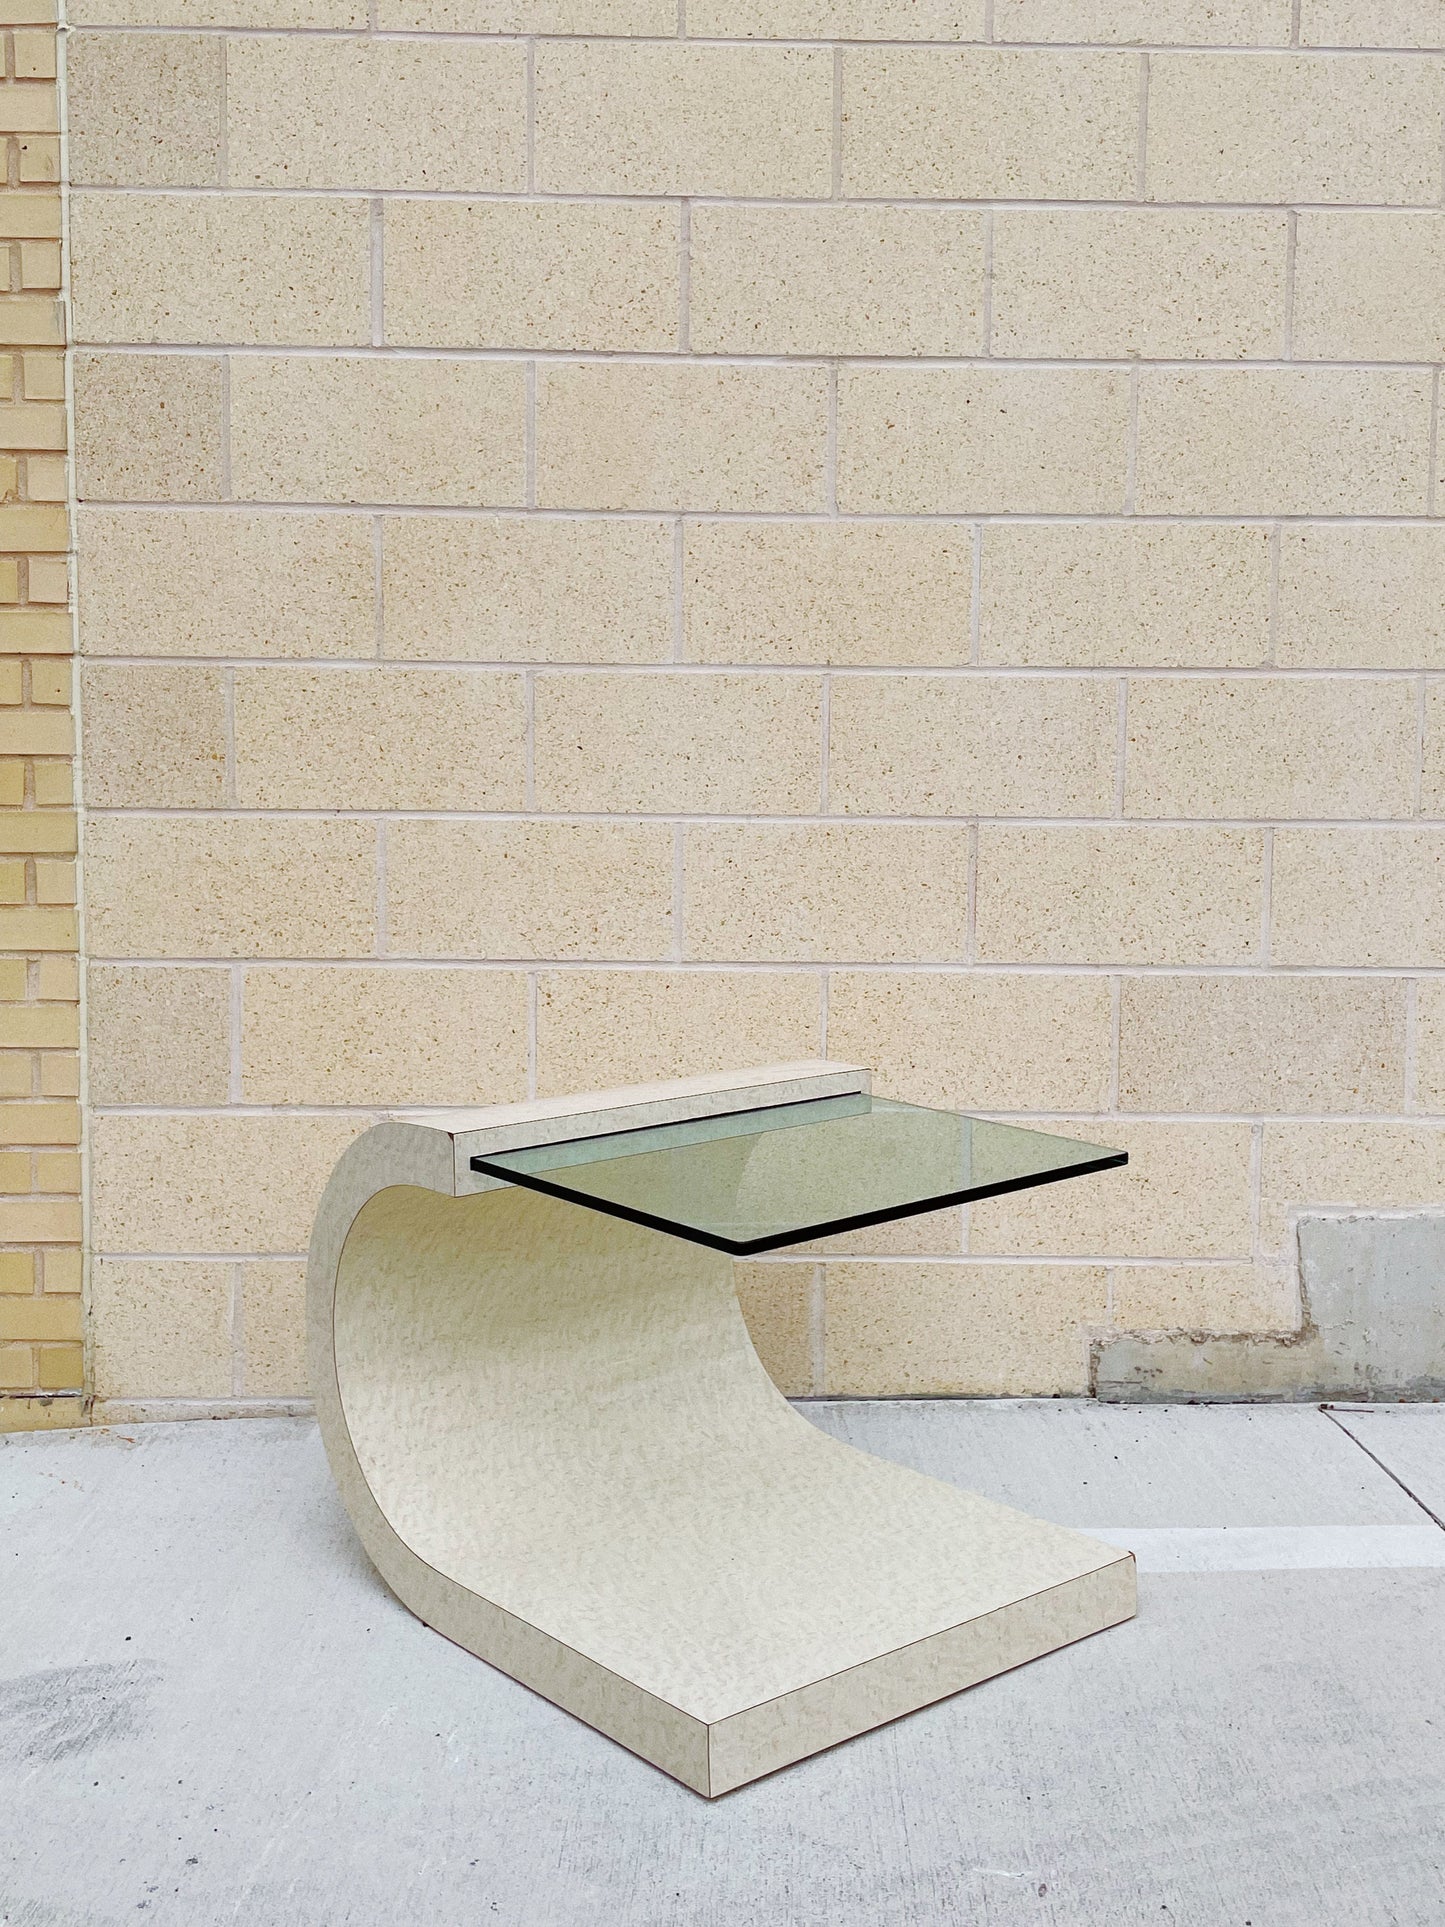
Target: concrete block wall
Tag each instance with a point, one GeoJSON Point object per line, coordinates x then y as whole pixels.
{"type": "Point", "coordinates": [41, 1324]}
{"type": "Point", "coordinates": [617, 539]}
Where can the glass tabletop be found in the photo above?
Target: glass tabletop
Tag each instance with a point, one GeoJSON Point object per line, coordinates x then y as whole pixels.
{"type": "Point", "coordinates": [754, 1180]}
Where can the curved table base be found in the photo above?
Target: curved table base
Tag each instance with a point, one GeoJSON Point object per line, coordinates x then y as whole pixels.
{"type": "Point", "coordinates": [559, 1448]}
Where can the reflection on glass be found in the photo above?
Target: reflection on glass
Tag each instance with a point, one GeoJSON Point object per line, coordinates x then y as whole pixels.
{"type": "Point", "coordinates": [759, 1179]}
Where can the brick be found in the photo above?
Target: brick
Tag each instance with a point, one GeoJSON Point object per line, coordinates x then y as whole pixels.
{"type": "Point", "coordinates": [155, 736]}
{"type": "Point", "coordinates": [1283, 441]}
{"type": "Point", "coordinates": [229, 887]}
{"type": "Point", "coordinates": [1359, 897]}
{"type": "Point", "coordinates": [47, 831]}
{"type": "Point", "coordinates": [46, 478]}
{"type": "Point", "coordinates": [365, 430]}
{"type": "Point", "coordinates": [12, 687]}
{"type": "Point", "coordinates": [40, 264]}
{"type": "Point", "coordinates": [512, 588]}
{"type": "Point", "coordinates": [148, 427]}
{"type": "Point", "coordinates": [1130, 894]}
{"type": "Point", "coordinates": [515, 274]}
{"type": "Point", "coordinates": [44, 1221]}
{"type": "Point", "coordinates": [26, 217]}
{"type": "Point", "coordinates": [975, 745]}
{"type": "Point", "coordinates": [657, 742]}
{"type": "Point", "coordinates": [681, 436]}
{"type": "Point", "coordinates": [58, 1171]}
{"type": "Point", "coordinates": [961, 440]}
{"type": "Point", "coordinates": [940, 1329]}
{"type": "Point", "coordinates": [39, 160]}
{"type": "Point", "coordinates": [1300, 746]}
{"type": "Point", "coordinates": [162, 1328]}
{"type": "Point", "coordinates": [1345, 1162]}
{"type": "Point", "coordinates": [850, 892]}
{"type": "Point", "coordinates": [39, 1124]}
{"type": "Point", "coordinates": [621, 1026]}
{"type": "Point", "coordinates": [17, 1271]}
{"type": "Point", "coordinates": [1293, 127]}
{"type": "Point", "coordinates": [1261, 1044]}
{"type": "Point", "coordinates": [382, 738]}
{"type": "Point", "coordinates": [1369, 23]}
{"type": "Point", "coordinates": [48, 578]}
{"type": "Point", "coordinates": [28, 320]}
{"type": "Point", "coordinates": [976, 1040]}
{"type": "Point", "coordinates": [211, 1184]}
{"type": "Point", "coordinates": [9, 579]}
{"type": "Point", "coordinates": [1370, 286]}
{"type": "Point", "coordinates": [38, 1320]}
{"type": "Point", "coordinates": [35, 732]}
{"type": "Point", "coordinates": [15, 1172]}
{"type": "Point", "coordinates": [837, 592]}
{"type": "Point", "coordinates": [146, 110]}
{"type": "Point", "coordinates": [536, 890]}
{"type": "Point", "coordinates": [39, 1027]}
{"type": "Point", "coordinates": [37, 929]}
{"type": "Point", "coordinates": [28, 109]}
{"type": "Point", "coordinates": [619, 118]}
{"type": "Point", "coordinates": [22, 12]}
{"type": "Point", "coordinates": [1368, 597]}
{"type": "Point", "coordinates": [238, 583]}
{"type": "Point", "coordinates": [1163, 283]}
{"type": "Point", "coordinates": [384, 1036]}
{"type": "Point", "coordinates": [1096, 595]}
{"type": "Point", "coordinates": [34, 54]}
{"type": "Point", "coordinates": [59, 1074]}
{"type": "Point", "coordinates": [1223, 23]}
{"type": "Point", "coordinates": [32, 425]}
{"type": "Point", "coordinates": [12, 883]}
{"type": "Point", "coordinates": [263, 268]}
{"type": "Point", "coordinates": [129, 1007]}
{"type": "Point", "coordinates": [16, 1074]}
{"type": "Point", "coordinates": [836, 280]}
{"type": "Point", "coordinates": [44, 376]}
{"type": "Point", "coordinates": [982, 123]}
{"type": "Point", "coordinates": [58, 979]}
{"type": "Point", "coordinates": [34, 632]}
{"type": "Point", "coordinates": [12, 784]}
{"type": "Point", "coordinates": [64, 1269]}
{"type": "Point", "coordinates": [1185, 1193]}
{"type": "Point", "coordinates": [54, 882]}
{"type": "Point", "coordinates": [377, 114]}
{"type": "Point", "coordinates": [13, 973]}
{"type": "Point", "coordinates": [54, 784]}
{"type": "Point", "coordinates": [776, 1302]}
{"type": "Point", "coordinates": [17, 1368]}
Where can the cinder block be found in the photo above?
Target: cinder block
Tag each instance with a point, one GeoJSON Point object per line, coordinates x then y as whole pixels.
{"type": "Point", "coordinates": [650, 435]}
{"type": "Point", "coordinates": [976, 1041]}
{"type": "Point", "coordinates": [1369, 23]}
{"type": "Point", "coordinates": [162, 1328]}
{"type": "Point", "coordinates": [383, 1035]}
{"type": "Point", "coordinates": [527, 16]}
{"type": "Point", "coordinates": [1298, 746]}
{"type": "Point", "coordinates": [1293, 127]}
{"type": "Point", "coordinates": [379, 738]}
{"type": "Point", "coordinates": [1352, 1161]}
{"type": "Point", "coordinates": [962, 441]}
{"type": "Point", "coordinates": [836, 280]}
{"type": "Point", "coordinates": [448, 116]}
{"type": "Point", "coordinates": [615, 117]}
{"type": "Point", "coordinates": [837, 19]}
{"type": "Point", "coordinates": [1262, 1044]}
{"type": "Point", "coordinates": [727, 744]}
{"type": "Point", "coordinates": [128, 1008]}
{"type": "Point", "coordinates": [938, 1329]}
{"type": "Point", "coordinates": [1164, 283]}
{"type": "Point", "coordinates": [362, 429]}
{"type": "Point", "coordinates": [187, 582]}
{"type": "Point", "coordinates": [1283, 441]}
{"type": "Point", "coordinates": [984, 123]}
{"type": "Point", "coordinates": [155, 736]}
{"type": "Point", "coordinates": [1359, 897]}
{"type": "Point", "coordinates": [145, 110]}
{"type": "Point", "coordinates": [1222, 23]}
{"type": "Point", "coordinates": [520, 274]}
{"type": "Point", "coordinates": [1370, 285]}
{"type": "Point", "coordinates": [267, 269]}
{"type": "Point", "coordinates": [218, 13]}
{"type": "Point", "coordinates": [626, 1026]}
{"type": "Point", "coordinates": [273, 1330]}
{"type": "Point", "coordinates": [847, 892]}
{"type": "Point", "coordinates": [178, 886]}
{"type": "Point", "coordinates": [1367, 597]}
{"type": "Point", "coordinates": [972, 746]}
{"type": "Point", "coordinates": [525, 589]}
{"type": "Point", "coordinates": [1210, 1298]}
{"type": "Point", "coordinates": [827, 592]}
{"type": "Point", "coordinates": [1186, 1192]}
{"type": "Point", "coordinates": [148, 427]}
{"type": "Point", "coordinates": [537, 890]}
{"type": "Point", "coordinates": [1131, 894]}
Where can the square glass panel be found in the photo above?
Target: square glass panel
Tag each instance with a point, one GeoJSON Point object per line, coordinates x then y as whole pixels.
{"type": "Point", "coordinates": [755, 1180]}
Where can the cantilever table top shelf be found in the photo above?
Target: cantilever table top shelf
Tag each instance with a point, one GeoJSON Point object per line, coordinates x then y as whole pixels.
{"type": "Point", "coordinates": [754, 1180]}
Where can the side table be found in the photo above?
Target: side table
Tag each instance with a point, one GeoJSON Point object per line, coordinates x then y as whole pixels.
{"type": "Point", "coordinates": [559, 1448]}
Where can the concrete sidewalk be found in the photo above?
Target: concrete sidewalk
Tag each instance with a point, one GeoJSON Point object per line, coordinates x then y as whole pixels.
{"type": "Point", "coordinates": [211, 1710]}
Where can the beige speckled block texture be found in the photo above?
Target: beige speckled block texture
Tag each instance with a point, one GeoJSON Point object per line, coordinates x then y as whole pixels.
{"type": "Point", "coordinates": [693, 1569]}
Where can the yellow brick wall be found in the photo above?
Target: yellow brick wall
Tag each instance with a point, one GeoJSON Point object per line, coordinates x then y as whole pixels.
{"type": "Point", "coordinates": [617, 539]}
{"type": "Point", "coordinates": [41, 1376]}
